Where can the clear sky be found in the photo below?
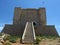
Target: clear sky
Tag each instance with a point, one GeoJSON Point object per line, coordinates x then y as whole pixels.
{"type": "Point", "coordinates": [52, 10]}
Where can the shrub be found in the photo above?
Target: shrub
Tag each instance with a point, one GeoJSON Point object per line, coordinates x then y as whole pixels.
{"type": "Point", "coordinates": [6, 38]}
{"type": "Point", "coordinates": [0, 34]}
{"type": "Point", "coordinates": [43, 37]}
{"type": "Point", "coordinates": [8, 44]}
{"type": "Point", "coordinates": [52, 37]}
{"type": "Point", "coordinates": [59, 40]}
{"type": "Point", "coordinates": [38, 39]}
{"type": "Point", "coordinates": [13, 40]}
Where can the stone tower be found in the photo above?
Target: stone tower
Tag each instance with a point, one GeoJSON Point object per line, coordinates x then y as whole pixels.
{"type": "Point", "coordinates": [37, 16]}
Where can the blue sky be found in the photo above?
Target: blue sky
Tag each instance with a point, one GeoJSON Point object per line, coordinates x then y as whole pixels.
{"type": "Point", "coordinates": [52, 10]}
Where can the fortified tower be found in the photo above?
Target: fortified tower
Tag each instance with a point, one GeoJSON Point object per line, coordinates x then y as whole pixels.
{"type": "Point", "coordinates": [37, 16]}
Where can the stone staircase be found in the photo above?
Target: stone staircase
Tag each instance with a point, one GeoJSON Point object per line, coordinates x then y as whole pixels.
{"type": "Point", "coordinates": [29, 33]}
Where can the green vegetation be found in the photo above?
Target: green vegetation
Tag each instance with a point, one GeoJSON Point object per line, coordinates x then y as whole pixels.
{"type": "Point", "coordinates": [39, 38]}
{"type": "Point", "coordinates": [11, 38]}
{"type": "Point", "coordinates": [0, 34]}
{"type": "Point", "coordinates": [59, 40]}
{"type": "Point", "coordinates": [8, 44]}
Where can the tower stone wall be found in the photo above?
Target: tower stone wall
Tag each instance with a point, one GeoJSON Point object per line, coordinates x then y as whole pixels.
{"type": "Point", "coordinates": [24, 15]}
{"type": "Point", "coordinates": [37, 16]}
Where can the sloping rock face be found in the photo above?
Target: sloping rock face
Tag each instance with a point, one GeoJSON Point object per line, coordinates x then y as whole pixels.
{"type": "Point", "coordinates": [37, 16]}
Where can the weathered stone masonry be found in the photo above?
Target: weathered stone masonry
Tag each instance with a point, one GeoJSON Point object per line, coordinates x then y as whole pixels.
{"type": "Point", "coordinates": [37, 16]}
